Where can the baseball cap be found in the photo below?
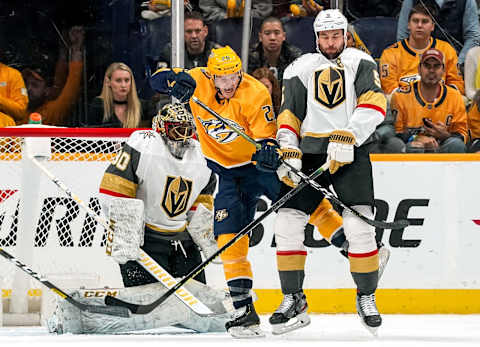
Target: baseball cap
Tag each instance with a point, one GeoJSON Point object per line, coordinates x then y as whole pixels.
{"type": "Point", "coordinates": [432, 53]}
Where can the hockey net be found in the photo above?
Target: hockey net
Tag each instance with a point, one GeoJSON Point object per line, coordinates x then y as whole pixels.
{"type": "Point", "coordinates": [44, 228]}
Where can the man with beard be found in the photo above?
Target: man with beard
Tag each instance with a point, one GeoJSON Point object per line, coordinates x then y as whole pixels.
{"type": "Point", "coordinates": [39, 81]}
{"type": "Point", "coordinates": [430, 116]}
{"type": "Point", "coordinates": [331, 106]}
{"type": "Point", "coordinates": [197, 48]}
{"type": "Point", "coordinates": [272, 50]}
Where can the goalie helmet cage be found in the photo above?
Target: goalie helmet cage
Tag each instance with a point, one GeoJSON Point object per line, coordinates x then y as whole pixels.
{"type": "Point", "coordinates": [43, 227]}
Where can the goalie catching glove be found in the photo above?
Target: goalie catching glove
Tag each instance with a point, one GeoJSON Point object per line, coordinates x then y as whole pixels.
{"type": "Point", "coordinates": [293, 156]}
{"type": "Point", "coordinates": [340, 149]}
{"type": "Point", "coordinates": [126, 233]}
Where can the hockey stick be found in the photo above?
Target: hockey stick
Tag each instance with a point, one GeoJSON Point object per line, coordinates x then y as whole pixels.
{"type": "Point", "coordinates": [146, 261]}
{"type": "Point", "coordinates": [144, 309]}
{"type": "Point", "coordinates": [112, 311]}
{"type": "Point", "coordinates": [398, 224]}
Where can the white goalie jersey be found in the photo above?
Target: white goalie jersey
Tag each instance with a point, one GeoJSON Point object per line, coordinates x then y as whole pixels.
{"type": "Point", "coordinates": [169, 187]}
{"type": "Point", "coordinates": [322, 95]}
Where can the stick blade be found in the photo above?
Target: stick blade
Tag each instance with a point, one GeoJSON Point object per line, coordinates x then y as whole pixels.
{"type": "Point", "coordinates": [120, 304]}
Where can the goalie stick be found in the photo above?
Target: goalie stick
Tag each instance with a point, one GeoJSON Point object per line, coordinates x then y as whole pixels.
{"type": "Point", "coordinates": [112, 311]}
{"type": "Point", "coordinates": [398, 224]}
{"type": "Point", "coordinates": [157, 271]}
{"type": "Point", "coordinates": [144, 309]}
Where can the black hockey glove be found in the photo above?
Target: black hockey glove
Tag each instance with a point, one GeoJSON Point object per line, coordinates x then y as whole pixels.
{"type": "Point", "coordinates": [268, 157]}
{"type": "Point", "coordinates": [183, 87]}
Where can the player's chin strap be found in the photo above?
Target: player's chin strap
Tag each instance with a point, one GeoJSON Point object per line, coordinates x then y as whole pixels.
{"type": "Point", "coordinates": [144, 309]}
{"type": "Point", "coordinates": [145, 261]}
{"type": "Point", "coordinates": [398, 224]}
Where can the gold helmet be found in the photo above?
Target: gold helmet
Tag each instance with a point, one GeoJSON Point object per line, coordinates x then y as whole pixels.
{"type": "Point", "coordinates": [223, 61]}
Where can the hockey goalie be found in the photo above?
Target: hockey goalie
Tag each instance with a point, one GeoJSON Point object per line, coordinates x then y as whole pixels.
{"type": "Point", "coordinates": [158, 196]}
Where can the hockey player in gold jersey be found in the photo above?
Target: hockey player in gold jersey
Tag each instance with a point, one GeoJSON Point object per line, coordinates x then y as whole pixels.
{"type": "Point", "coordinates": [399, 62]}
{"type": "Point", "coordinates": [246, 104]}
{"type": "Point", "coordinates": [430, 116]}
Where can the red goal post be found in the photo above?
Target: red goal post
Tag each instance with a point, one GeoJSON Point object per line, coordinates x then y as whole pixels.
{"type": "Point", "coordinates": [44, 228]}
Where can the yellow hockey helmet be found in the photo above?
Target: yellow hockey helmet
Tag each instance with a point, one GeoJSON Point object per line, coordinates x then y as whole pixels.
{"type": "Point", "coordinates": [223, 61]}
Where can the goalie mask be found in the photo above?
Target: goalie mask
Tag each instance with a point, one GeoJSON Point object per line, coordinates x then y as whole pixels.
{"type": "Point", "coordinates": [176, 126]}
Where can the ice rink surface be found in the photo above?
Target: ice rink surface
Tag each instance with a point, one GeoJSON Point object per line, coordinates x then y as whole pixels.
{"type": "Point", "coordinates": [325, 330]}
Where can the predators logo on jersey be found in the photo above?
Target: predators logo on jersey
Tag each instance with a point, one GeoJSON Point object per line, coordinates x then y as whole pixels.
{"type": "Point", "coordinates": [330, 86]}
{"type": "Point", "coordinates": [176, 195]}
{"type": "Point", "coordinates": [219, 131]}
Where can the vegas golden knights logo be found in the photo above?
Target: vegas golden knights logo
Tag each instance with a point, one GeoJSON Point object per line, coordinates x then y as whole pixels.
{"type": "Point", "coordinates": [330, 87]}
{"type": "Point", "coordinates": [175, 196]}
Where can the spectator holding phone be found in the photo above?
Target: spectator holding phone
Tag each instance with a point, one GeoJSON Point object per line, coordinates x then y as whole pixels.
{"type": "Point", "coordinates": [430, 116]}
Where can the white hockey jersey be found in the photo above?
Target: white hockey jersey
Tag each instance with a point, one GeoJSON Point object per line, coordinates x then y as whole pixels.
{"type": "Point", "coordinates": [169, 187]}
{"type": "Point", "coordinates": [322, 95]}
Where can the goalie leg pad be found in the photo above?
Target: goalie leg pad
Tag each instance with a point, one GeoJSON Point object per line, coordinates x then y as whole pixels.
{"type": "Point", "coordinates": [126, 234]}
{"type": "Point", "coordinates": [69, 319]}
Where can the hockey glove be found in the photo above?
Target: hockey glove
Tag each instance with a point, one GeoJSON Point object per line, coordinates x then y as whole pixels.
{"type": "Point", "coordinates": [340, 149]}
{"type": "Point", "coordinates": [293, 156]}
{"type": "Point", "coordinates": [267, 158]}
{"type": "Point", "coordinates": [183, 88]}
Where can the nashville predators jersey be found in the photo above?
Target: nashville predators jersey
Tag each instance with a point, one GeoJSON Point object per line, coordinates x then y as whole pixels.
{"type": "Point", "coordinates": [250, 110]}
{"type": "Point", "coordinates": [409, 107]}
{"type": "Point", "coordinates": [399, 65]}
{"type": "Point", "coordinates": [169, 187]}
{"type": "Point", "coordinates": [322, 95]}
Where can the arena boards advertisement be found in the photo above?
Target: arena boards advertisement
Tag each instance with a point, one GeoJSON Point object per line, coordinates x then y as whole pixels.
{"type": "Point", "coordinates": [433, 266]}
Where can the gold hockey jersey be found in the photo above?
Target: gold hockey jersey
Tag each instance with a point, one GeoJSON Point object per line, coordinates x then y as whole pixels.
{"type": "Point", "coordinates": [169, 187]}
{"type": "Point", "coordinates": [321, 95]}
{"type": "Point", "coordinates": [409, 107]}
{"type": "Point", "coordinates": [250, 110]}
{"type": "Point", "coordinates": [399, 65]}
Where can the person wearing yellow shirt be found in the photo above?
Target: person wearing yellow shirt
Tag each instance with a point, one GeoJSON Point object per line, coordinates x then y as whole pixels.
{"type": "Point", "coordinates": [430, 116]}
{"type": "Point", "coordinates": [13, 96]}
{"type": "Point", "coordinates": [399, 62]}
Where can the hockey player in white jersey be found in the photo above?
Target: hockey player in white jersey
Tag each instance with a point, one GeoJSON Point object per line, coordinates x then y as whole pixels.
{"type": "Point", "coordinates": [332, 103]}
{"type": "Point", "coordinates": [166, 170]}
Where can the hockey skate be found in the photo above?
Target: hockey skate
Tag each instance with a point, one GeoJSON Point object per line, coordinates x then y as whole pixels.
{"type": "Point", "coordinates": [245, 323]}
{"type": "Point", "coordinates": [368, 312]}
{"type": "Point", "coordinates": [291, 314]}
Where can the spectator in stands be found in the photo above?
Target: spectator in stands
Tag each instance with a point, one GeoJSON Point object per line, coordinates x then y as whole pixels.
{"type": "Point", "coordinates": [456, 23]}
{"type": "Point", "coordinates": [39, 79]}
{"type": "Point", "coordinates": [266, 76]}
{"type": "Point", "coordinates": [472, 91]}
{"type": "Point", "coordinates": [118, 106]}
{"type": "Point", "coordinates": [215, 10]}
{"type": "Point", "coordinates": [13, 96]}
{"type": "Point", "coordinates": [353, 40]}
{"type": "Point", "coordinates": [197, 47]}
{"type": "Point", "coordinates": [399, 62]}
{"type": "Point", "coordinates": [154, 9]}
{"type": "Point", "coordinates": [303, 8]}
{"type": "Point", "coordinates": [430, 116]}
{"type": "Point", "coordinates": [272, 50]}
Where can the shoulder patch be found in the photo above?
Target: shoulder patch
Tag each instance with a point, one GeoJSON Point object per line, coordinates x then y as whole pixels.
{"type": "Point", "coordinates": [405, 88]}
